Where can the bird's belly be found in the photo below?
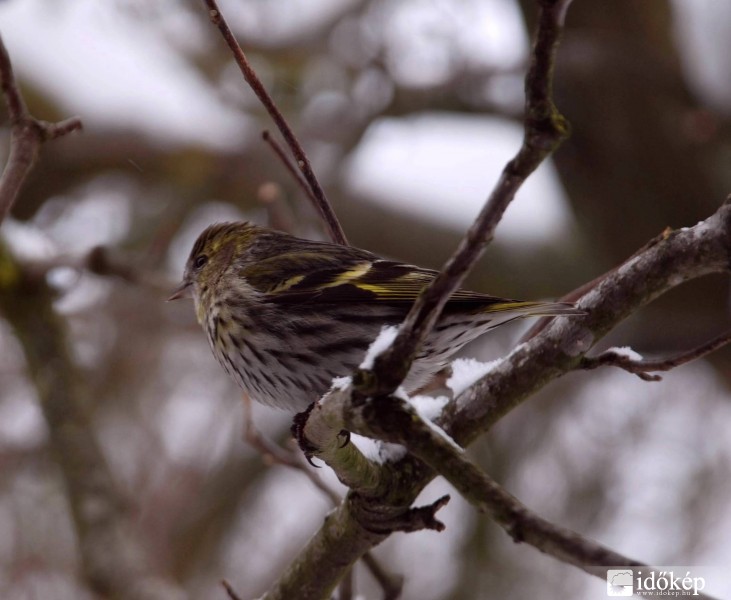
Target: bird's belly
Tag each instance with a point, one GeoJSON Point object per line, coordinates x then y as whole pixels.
{"type": "Point", "coordinates": [290, 364]}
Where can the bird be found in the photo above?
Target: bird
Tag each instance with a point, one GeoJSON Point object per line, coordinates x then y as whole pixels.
{"type": "Point", "coordinates": [284, 316]}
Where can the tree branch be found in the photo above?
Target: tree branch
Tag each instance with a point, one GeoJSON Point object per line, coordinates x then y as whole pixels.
{"type": "Point", "coordinates": [404, 426]}
{"type": "Point", "coordinates": [322, 204]}
{"type": "Point", "coordinates": [114, 559]}
{"type": "Point", "coordinates": [296, 175]}
{"type": "Point", "coordinates": [679, 256]}
{"type": "Point", "coordinates": [390, 584]}
{"type": "Point", "coordinates": [331, 552]}
{"type": "Point", "coordinates": [642, 368]}
{"type": "Point", "coordinates": [274, 453]}
{"type": "Point", "coordinates": [381, 494]}
{"type": "Point", "coordinates": [397, 422]}
{"type": "Point", "coordinates": [545, 129]}
{"type": "Point", "coordinates": [230, 591]}
{"type": "Point", "coordinates": [27, 136]}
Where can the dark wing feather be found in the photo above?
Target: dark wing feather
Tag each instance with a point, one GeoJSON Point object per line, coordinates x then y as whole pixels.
{"type": "Point", "coordinates": [279, 262]}
{"type": "Point", "coordinates": [302, 271]}
{"type": "Point", "coordinates": [371, 280]}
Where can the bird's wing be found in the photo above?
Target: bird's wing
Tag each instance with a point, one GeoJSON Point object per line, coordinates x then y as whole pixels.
{"type": "Point", "coordinates": [357, 279]}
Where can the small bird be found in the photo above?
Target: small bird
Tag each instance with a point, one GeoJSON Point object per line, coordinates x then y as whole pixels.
{"type": "Point", "coordinates": [284, 315]}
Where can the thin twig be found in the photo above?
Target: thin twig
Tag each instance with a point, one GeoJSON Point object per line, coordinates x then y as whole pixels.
{"type": "Point", "coordinates": [643, 368]}
{"type": "Point", "coordinates": [287, 162]}
{"type": "Point", "coordinates": [322, 204]}
{"type": "Point", "coordinates": [230, 590]}
{"type": "Point", "coordinates": [345, 589]}
{"type": "Point", "coordinates": [279, 213]}
{"type": "Point", "coordinates": [545, 129]}
{"type": "Point", "coordinates": [392, 585]}
{"type": "Point", "coordinates": [27, 135]}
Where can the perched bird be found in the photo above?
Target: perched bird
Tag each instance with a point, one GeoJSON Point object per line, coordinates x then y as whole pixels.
{"type": "Point", "coordinates": [284, 316]}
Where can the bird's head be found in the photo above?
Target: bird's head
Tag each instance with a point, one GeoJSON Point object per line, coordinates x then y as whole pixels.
{"type": "Point", "coordinates": [211, 256]}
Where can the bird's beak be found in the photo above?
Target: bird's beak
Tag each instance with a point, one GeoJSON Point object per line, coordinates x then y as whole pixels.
{"type": "Point", "coordinates": [182, 291]}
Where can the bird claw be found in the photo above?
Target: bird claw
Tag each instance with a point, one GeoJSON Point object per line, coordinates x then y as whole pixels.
{"type": "Point", "coordinates": [298, 432]}
{"type": "Point", "coordinates": [308, 458]}
{"type": "Point", "coordinates": [307, 447]}
{"type": "Point", "coordinates": [345, 434]}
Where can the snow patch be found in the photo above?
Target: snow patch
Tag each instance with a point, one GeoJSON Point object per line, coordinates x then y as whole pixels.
{"type": "Point", "coordinates": [379, 346]}
{"type": "Point", "coordinates": [626, 352]}
{"type": "Point", "coordinates": [466, 371]}
{"type": "Point", "coordinates": [444, 435]}
{"type": "Point", "coordinates": [429, 407]}
{"type": "Point", "coordinates": [377, 451]}
{"type": "Point", "coordinates": [341, 384]}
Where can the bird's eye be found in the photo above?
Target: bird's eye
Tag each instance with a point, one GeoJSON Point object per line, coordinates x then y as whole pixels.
{"type": "Point", "coordinates": [199, 261]}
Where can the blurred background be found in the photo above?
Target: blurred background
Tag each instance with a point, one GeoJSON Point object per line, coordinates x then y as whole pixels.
{"type": "Point", "coordinates": [408, 111]}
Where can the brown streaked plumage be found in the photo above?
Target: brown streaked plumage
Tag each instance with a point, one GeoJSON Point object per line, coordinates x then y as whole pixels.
{"type": "Point", "coordinates": [285, 315]}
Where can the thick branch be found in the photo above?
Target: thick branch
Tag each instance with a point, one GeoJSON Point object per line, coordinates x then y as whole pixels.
{"type": "Point", "coordinates": [115, 561]}
{"type": "Point", "coordinates": [387, 418]}
{"type": "Point", "coordinates": [680, 255]}
{"type": "Point", "coordinates": [303, 163]}
{"type": "Point", "coordinates": [404, 426]}
{"type": "Point", "coordinates": [545, 129]}
{"type": "Point", "coordinates": [27, 136]}
{"type": "Point", "coordinates": [330, 553]}
{"type": "Point", "coordinates": [274, 453]}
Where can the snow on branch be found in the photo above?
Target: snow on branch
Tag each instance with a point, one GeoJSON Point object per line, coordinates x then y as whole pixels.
{"type": "Point", "coordinates": [632, 362]}
{"type": "Point", "coordinates": [544, 130]}
{"type": "Point", "coordinates": [381, 493]}
{"type": "Point", "coordinates": [675, 257]}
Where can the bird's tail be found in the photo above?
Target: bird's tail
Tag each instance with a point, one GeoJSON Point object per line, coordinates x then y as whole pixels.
{"type": "Point", "coordinates": [524, 308]}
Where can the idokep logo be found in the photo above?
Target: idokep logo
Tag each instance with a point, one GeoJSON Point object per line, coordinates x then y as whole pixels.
{"type": "Point", "coordinates": [653, 582]}
{"type": "Point", "coordinates": [620, 582]}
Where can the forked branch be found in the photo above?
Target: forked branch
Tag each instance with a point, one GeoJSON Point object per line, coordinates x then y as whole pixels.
{"type": "Point", "coordinates": [545, 129]}
{"type": "Point", "coordinates": [303, 163]}
{"type": "Point", "coordinates": [27, 135]}
{"type": "Point", "coordinates": [637, 365]}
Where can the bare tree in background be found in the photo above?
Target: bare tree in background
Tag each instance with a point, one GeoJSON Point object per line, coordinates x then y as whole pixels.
{"type": "Point", "coordinates": [143, 522]}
